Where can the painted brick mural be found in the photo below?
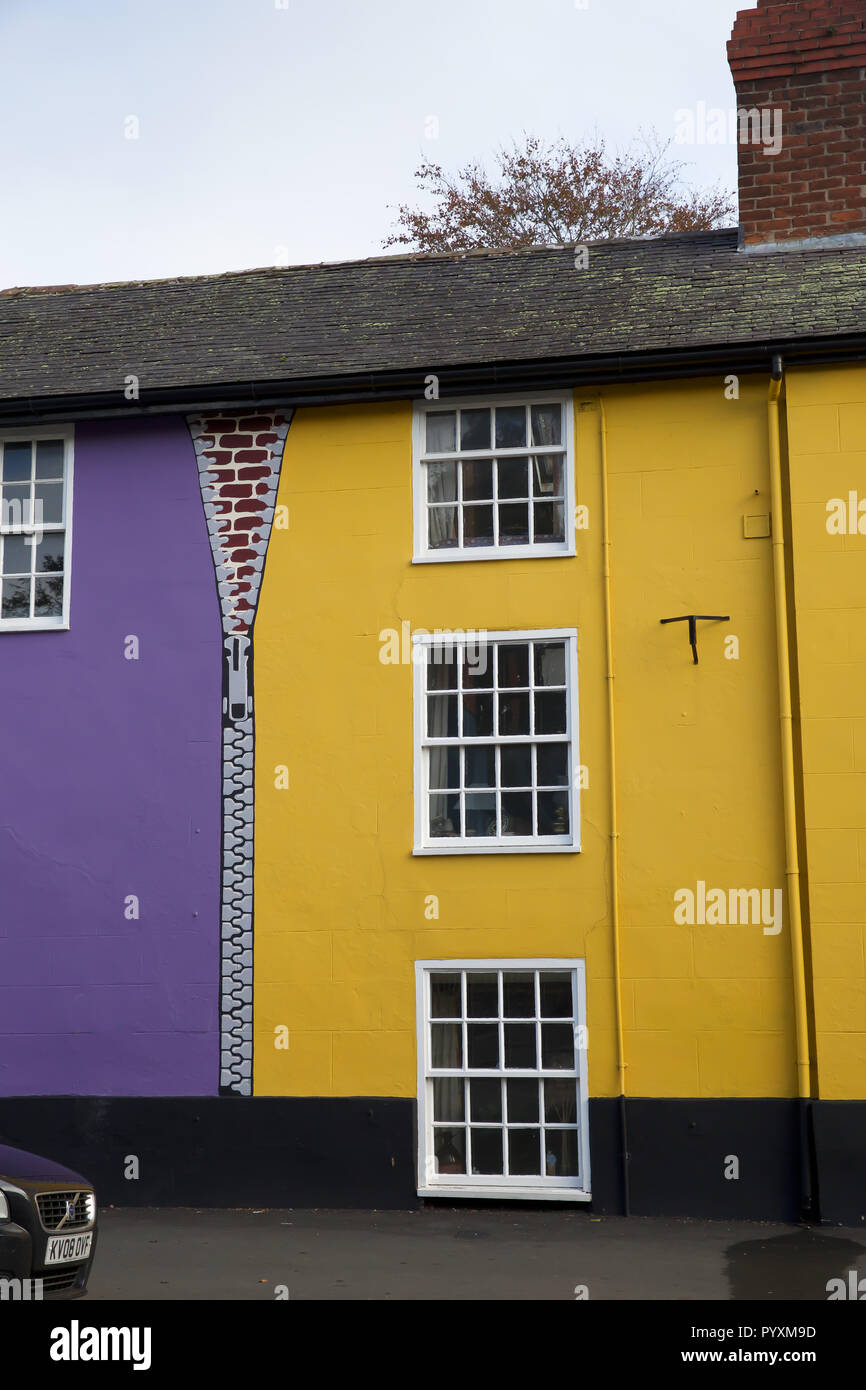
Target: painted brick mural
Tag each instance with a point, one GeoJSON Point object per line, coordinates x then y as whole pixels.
{"type": "Point", "coordinates": [239, 459]}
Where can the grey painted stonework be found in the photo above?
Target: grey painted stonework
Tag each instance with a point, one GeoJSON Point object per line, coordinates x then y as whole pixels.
{"type": "Point", "coordinates": [239, 566]}
{"type": "Point", "coordinates": [842, 241]}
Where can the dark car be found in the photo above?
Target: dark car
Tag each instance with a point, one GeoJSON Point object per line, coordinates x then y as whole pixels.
{"type": "Point", "coordinates": [47, 1228]}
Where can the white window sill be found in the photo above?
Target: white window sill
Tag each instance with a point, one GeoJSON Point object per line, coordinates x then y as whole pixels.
{"type": "Point", "coordinates": [530, 1194]}
{"type": "Point", "coordinates": [461, 848]}
{"type": "Point", "coordinates": [491, 552]}
{"type": "Point", "coordinates": [34, 625]}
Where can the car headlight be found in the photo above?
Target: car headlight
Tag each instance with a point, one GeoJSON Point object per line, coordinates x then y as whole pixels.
{"type": "Point", "coordinates": [4, 1207]}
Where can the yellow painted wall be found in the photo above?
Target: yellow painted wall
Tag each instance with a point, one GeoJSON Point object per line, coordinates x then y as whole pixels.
{"type": "Point", "coordinates": [827, 449]}
{"type": "Point", "coordinates": [339, 897]}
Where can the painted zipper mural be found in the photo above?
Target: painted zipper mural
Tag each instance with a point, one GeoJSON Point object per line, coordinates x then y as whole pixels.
{"type": "Point", "coordinates": [239, 458]}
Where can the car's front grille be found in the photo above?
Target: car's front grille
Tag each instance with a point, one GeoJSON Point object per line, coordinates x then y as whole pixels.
{"type": "Point", "coordinates": [66, 1211]}
{"type": "Point", "coordinates": [63, 1279]}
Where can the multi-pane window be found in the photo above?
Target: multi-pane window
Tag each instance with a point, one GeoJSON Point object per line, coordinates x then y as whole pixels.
{"type": "Point", "coordinates": [496, 729]}
{"type": "Point", "coordinates": [34, 499]}
{"type": "Point", "coordinates": [493, 479]}
{"type": "Point", "coordinates": [502, 1084]}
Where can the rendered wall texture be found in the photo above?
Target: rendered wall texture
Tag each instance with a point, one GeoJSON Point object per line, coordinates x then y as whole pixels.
{"type": "Point", "coordinates": [827, 448]}
{"type": "Point", "coordinates": [111, 788]}
{"type": "Point", "coordinates": [114, 782]}
{"type": "Point", "coordinates": [340, 914]}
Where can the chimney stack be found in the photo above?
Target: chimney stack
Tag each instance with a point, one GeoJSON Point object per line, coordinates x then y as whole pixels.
{"type": "Point", "coordinates": [799, 67]}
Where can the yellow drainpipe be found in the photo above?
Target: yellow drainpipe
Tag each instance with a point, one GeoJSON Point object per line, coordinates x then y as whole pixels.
{"type": "Point", "coordinates": [786, 720]}
{"type": "Point", "coordinates": [787, 741]}
{"type": "Point", "coordinates": [621, 1064]}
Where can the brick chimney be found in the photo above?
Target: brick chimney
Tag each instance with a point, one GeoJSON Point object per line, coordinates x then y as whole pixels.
{"type": "Point", "coordinates": [799, 67]}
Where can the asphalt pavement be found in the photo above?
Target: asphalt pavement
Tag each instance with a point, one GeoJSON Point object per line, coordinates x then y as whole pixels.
{"type": "Point", "coordinates": [460, 1254]}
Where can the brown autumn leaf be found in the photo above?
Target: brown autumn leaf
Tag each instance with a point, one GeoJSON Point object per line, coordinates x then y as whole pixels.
{"type": "Point", "coordinates": [557, 193]}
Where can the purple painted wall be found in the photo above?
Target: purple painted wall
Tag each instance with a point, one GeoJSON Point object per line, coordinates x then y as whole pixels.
{"type": "Point", "coordinates": [110, 786]}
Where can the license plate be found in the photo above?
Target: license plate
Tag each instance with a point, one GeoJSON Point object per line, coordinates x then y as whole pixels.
{"type": "Point", "coordinates": [62, 1249]}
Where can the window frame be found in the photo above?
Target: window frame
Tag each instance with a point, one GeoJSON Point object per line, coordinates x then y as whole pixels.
{"type": "Point", "coordinates": [43, 432]}
{"type": "Point", "coordinates": [423, 554]}
{"type": "Point", "coordinates": [424, 844]}
{"type": "Point", "coordinates": [431, 1184]}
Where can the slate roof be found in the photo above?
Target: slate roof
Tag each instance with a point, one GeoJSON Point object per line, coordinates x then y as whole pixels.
{"type": "Point", "coordinates": [399, 314]}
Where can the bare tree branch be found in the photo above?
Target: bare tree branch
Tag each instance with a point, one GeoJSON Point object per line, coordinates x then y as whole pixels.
{"type": "Point", "coordinates": [557, 194]}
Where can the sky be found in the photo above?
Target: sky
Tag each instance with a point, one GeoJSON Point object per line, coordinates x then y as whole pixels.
{"type": "Point", "coordinates": [150, 138]}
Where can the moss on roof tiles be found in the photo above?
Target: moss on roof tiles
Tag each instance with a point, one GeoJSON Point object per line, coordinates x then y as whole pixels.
{"type": "Point", "coordinates": [400, 312]}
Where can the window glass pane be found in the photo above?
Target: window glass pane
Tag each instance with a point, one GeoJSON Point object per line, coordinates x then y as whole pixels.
{"type": "Point", "coordinates": [477, 480]}
{"type": "Point", "coordinates": [442, 528]}
{"type": "Point", "coordinates": [16, 598]}
{"type": "Point", "coordinates": [524, 1151]}
{"type": "Point", "coordinates": [49, 503]}
{"type": "Point", "coordinates": [518, 994]}
{"type": "Point", "coordinates": [445, 768]}
{"type": "Point", "coordinates": [549, 521]}
{"type": "Point", "coordinates": [515, 762]}
{"type": "Point", "coordinates": [513, 477]}
{"type": "Point", "coordinates": [16, 505]}
{"type": "Point", "coordinates": [449, 1146]}
{"type": "Point", "coordinates": [513, 665]}
{"type": "Point", "coordinates": [447, 1044]}
{"type": "Point", "coordinates": [480, 766]}
{"type": "Point", "coordinates": [445, 995]}
{"type": "Point", "coordinates": [560, 1102]}
{"type": "Point", "coordinates": [17, 555]}
{"type": "Point", "coordinates": [444, 816]}
{"type": "Point", "coordinates": [550, 712]}
{"type": "Point", "coordinates": [485, 1099]}
{"type": "Point", "coordinates": [477, 666]}
{"type": "Point", "coordinates": [561, 1160]}
{"type": "Point", "coordinates": [478, 716]}
{"type": "Point", "coordinates": [516, 813]}
{"type": "Point", "coordinates": [553, 816]}
{"type": "Point", "coordinates": [482, 995]}
{"type": "Point", "coordinates": [464, 500]}
{"type": "Point", "coordinates": [483, 1044]}
{"type": "Point", "coordinates": [49, 554]}
{"type": "Point", "coordinates": [475, 429]}
{"type": "Point", "coordinates": [513, 525]}
{"type": "Point", "coordinates": [550, 663]}
{"type": "Point", "coordinates": [510, 427]}
{"type": "Point", "coordinates": [448, 1098]}
{"type": "Point", "coordinates": [520, 1050]}
{"type": "Point", "coordinates": [513, 714]}
{"type": "Point", "coordinates": [522, 1101]}
{"type": "Point", "coordinates": [48, 600]}
{"type": "Point", "coordinates": [508, 789]}
{"type": "Point", "coordinates": [481, 814]}
{"type": "Point", "coordinates": [486, 1150]}
{"type": "Point", "coordinates": [557, 1046]}
{"type": "Point", "coordinates": [527, 1124]}
{"type": "Point", "coordinates": [49, 458]}
{"type": "Point", "coordinates": [441, 431]}
{"type": "Point", "coordinates": [16, 463]}
{"type": "Point", "coordinates": [441, 716]}
{"type": "Point", "coordinates": [547, 475]}
{"type": "Point", "coordinates": [442, 481]}
{"type": "Point", "coordinates": [477, 525]}
{"type": "Point", "coordinates": [441, 668]}
{"type": "Point", "coordinates": [552, 764]}
{"type": "Point", "coordinates": [556, 1000]}
{"type": "Point", "coordinates": [546, 424]}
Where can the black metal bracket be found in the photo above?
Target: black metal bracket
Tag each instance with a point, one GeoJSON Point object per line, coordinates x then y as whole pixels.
{"type": "Point", "coordinates": [693, 619]}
